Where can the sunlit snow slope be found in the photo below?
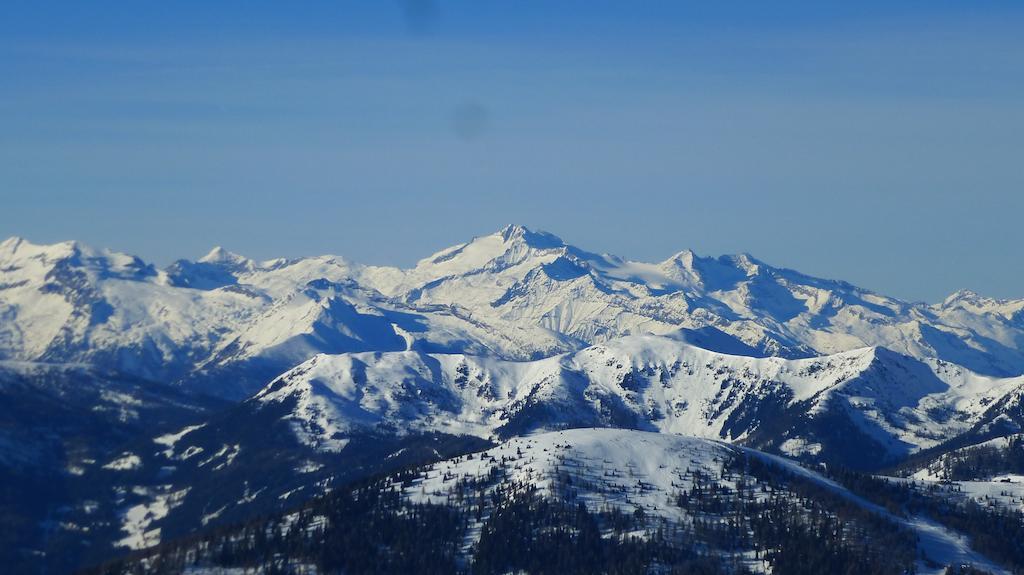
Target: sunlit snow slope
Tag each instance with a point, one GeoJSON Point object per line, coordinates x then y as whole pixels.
{"type": "Point", "coordinates": [862, 407]}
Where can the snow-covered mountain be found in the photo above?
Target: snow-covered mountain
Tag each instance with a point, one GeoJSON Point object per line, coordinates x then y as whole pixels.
{"type": "Point", "coordinates": [223, 325]}
{"type": "Point", "coordinates": [337, 371]}
{"type": "Point", "coordinates": [335, 418]}
{"type": "Point", "coordinates": [70, 303]}
{"type": "Point", "coordinates": [226, 324]}
{"type": "Point", "coordinates": [535, 278]}
{"type": "Point", "coordinates": [864, 407]}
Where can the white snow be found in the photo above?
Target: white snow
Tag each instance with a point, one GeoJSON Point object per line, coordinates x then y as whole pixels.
{"type": "Point", "coordinates": [137, 519]}
{"type": "Point", "coordinates": [126, 462]}
{"type": "Point", "coordinates": [213, 515]}
{"type": "Point", "coordinates": [224, 457]}
{"type": "Point", "coordinates": [171, 439]}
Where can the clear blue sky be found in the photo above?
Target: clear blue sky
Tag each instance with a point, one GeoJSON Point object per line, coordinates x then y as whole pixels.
{"type": "Point", "coordinates": [878, 142]}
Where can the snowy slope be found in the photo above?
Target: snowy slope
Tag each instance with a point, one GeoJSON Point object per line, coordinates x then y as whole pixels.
{"type": "Point", "coordinates": [630, 470]}
{"type": "Point", "coordinates": [871, 401]}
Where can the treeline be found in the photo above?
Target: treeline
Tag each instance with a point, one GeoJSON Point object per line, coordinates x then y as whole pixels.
{"type": "Point", "coordinates": [995, 531]}
{"type": "Point", "coordinates": [983, 461]}
{"type": "Point", "coordinates": [374, 530]}
{"type": "Point", "coordinates": [365, 530]}
{"type": "Point", "coordinates": [542, 536]}
{"type": "Point", "coordinates": [978, 462]}
{"type": "Point", "coordinates": [808, 528]}
{"type": "Point", "coordinates": [753, 515]}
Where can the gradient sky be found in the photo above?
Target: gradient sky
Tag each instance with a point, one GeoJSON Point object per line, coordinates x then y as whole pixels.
{"type": "Point", "coordinates": [877, 142]}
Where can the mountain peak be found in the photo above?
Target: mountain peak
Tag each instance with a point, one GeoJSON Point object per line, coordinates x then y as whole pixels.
{"type": "Point", "coordinates": [747, 263]}
{"type": "Point", "coordinates": [972, 302]}
{"type": "Point", "coordinates": [962, 295]}
{"type": "Point", "coordinates": [685, 256]}
{"type": "Point", "coordinates": [16, 245]}
{"type": "Point", "coordinates": [741, 262]}
{"type": "Point", "coordinates": [511, 244]}
{"type": "Point", "coordinates": [538, 239]}
{"type": "Point", "coordinates": [219, 255]}
{"type": "Point", "coordinates": [973, 299]}
{"type": "Point", "coordinates": [12, 243]}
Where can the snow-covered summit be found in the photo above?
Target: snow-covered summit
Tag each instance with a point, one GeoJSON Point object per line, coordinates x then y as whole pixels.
{"type": "Point", "coordinates": [24, 259]}
{"type": "Point", "coordinates": [222, 257]}
{"type": "Point", "coordinates": [971, 302]}
{"type": "Point", "coordinates": [508, 247]}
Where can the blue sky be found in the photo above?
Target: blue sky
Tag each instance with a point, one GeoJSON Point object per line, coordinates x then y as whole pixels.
{"type": "Point", "coordinates": [877, 142]}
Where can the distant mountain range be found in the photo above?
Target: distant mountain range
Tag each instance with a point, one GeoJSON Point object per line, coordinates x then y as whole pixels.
{"type": "Point", "coordinates": [515, 294]}
{"type": "Point", "coordinates": [140, 404]}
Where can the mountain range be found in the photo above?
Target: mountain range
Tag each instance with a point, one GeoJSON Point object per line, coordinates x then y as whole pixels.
{"type": "Point", "coordinates": [141, 405]}
{"type": "Point", "coordinates": [515, 294]}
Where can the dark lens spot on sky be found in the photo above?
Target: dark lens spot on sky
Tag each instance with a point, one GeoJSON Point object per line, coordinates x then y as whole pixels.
{"type": "Point", "coordinates": [470, 121]}
{"type": "Point", "coordinates": [421, 16]}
